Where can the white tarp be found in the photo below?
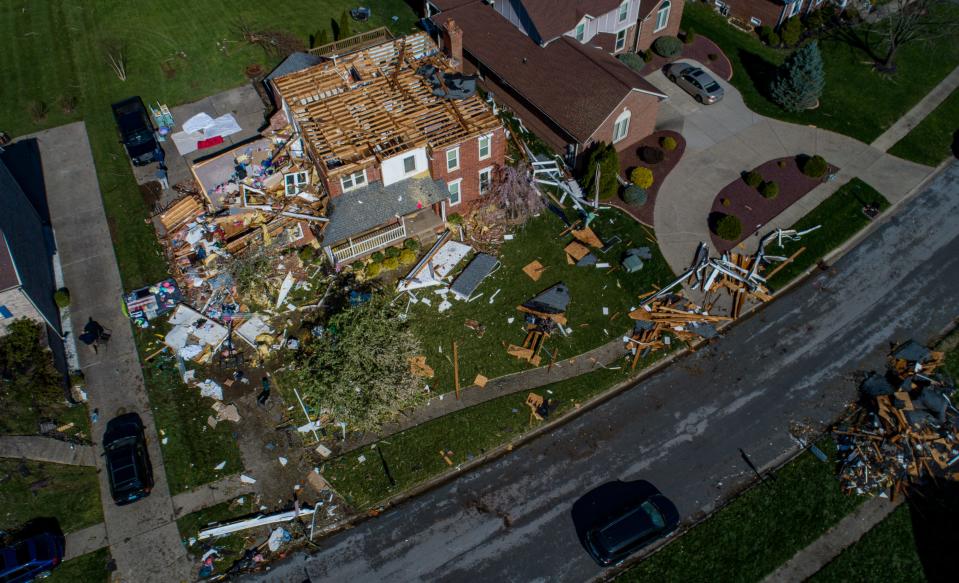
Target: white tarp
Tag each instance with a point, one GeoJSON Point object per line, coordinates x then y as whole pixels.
{"type": "Point", "coordinates": [252, 328]}
{"type": "Point", "coordinates": [192, 331]}
{"type": "Point", "coordinates": [439, 265]}
{"type": "Point", "coordinates": [197, 123]}
{"type": "Point", "coordinates": [201, 127]}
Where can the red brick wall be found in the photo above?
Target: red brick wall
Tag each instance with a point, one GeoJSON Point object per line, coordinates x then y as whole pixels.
{"type": "Point", "coordinates": [643, 109]}
{"type": "Point", "coordinates": [646, 34]}
{"type": "Point", "coordinates": [765, 10]}
{"type": "Point", "coordinates": [470, 164]}
{"type": "Point", "coordinates": [335, 188]}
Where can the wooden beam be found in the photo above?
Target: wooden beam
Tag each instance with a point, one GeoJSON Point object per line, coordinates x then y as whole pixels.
{"type": "Point", "coordinates": [456, 369]}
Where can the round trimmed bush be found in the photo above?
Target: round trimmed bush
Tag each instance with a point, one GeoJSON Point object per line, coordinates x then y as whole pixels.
{"type": "Point", "coordinates": [651, 155]}
{"type": "Point", "coordinates": [769, 190]}
{"type": "Point", "coordinates": [411, 244]}
{"type": "Point", "coordinates": [373, 269]}
{"type": "Point", "coordinates": [641, 177]}
{"type": "Point", "coordinates": [392, 252]}
{"type": "Point", "coordinates": [647, 56]}
{"type": "Point", "coordinates": [357, 265]}
{"type": "Point", "coordinates": [634, 195]}
{"type": "Point", "coordinates": [815, 167]}
{"type": "Point", "coordinates": [729, 227]}
{"type": "Point", "coordinates": [391, 263]}
{"type": "Point", "coordinates": [377, 257]}
{"type": "Point", "coordinates": [763, 33]}
{"type": "Point", "coordinates": [408, 257]}
{"type": "Point", "coordinates": [668, 143]}
{"type": "Point", "coordinates": [773, 39]}
{"type": "Point", "coordinates": [781, 163]}
{"type": "Point", "coordinates": [61, 297]}
{"type": "Point", "coordinates": [689, 36]}
{"type": "Point", "coordinates": [753, 179]}
{"type": "Point", "coordinates": [667, 46]}
{"type": "Point", "coordinates": [726, 202]}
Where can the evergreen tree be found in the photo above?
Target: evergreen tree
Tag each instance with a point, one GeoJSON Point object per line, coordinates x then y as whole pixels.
{"type": "Point", "coordinates": [344, 26]}
{"type": "Point", "coordinates": [800, 80]}
{"type": "Point", "coordinates": [603, 157]}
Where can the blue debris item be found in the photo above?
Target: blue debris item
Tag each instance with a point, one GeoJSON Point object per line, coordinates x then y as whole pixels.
{"type": "Point", "coordinates": [587, 260]}
{"type": "Point", "coordinates": [912, 351]}
{"type": "Point", "coordinates": [357, 298]}
{"type": "Point", "coordinates": [552, 301]}
{"type": "Point", "coordinates": [478, 269]}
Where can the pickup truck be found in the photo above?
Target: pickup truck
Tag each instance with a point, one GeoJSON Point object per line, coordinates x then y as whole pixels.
{"type": "Point", "coordinates": [136, 130]}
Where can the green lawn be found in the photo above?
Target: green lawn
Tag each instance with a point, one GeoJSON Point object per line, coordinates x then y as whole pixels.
{"type": "Point", "coordinates": [89, 568]}
{"type": "Point", "coordinates": [71, 494]}
{"type": "Point", "coordinates": [841, 217]}
{"type": "Point", "coordinates": [857, 101]}
{"type": "Point", "coordinates": [232, 546]}
{"type": "Point", "coordinates": [757, 532]}
{"type": "Point", "coordinates": [177, 51]}
{"type": "Point", "coordinates": [931, 141]}
{"type": "Point", "coordinates": [885, 553]}
{"type": "Point", "coordinates": [413, 456]}
{"type": "Point", "coordinates": [591, 290]}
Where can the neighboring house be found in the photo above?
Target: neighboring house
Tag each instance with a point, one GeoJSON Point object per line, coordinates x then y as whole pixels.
{"type": "Point", "coordinates": [397, 137]}
{"type": "Point", "coordinates": [765, 12]}
{"type": "Point", "coordinates": [570, 93]}
{"type": "Point", "coordinates": [611, 25]}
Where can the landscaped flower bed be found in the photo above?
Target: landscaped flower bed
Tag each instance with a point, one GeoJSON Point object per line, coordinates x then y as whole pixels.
{"type": "Point", "coordinates": [700, 49]}
{"type": "Point", "coordinates": [634, 157]}
{"type": "Point", "coordinates": [760, 195]}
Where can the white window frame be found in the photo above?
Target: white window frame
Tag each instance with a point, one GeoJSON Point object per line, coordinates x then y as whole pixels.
{"type": "Point", "coordinates": [623, 118]}
{"type": "Point", "coordinates": [488, 138]}
{"type": "Point", "coordinates": [413, 158]}
{"type": "Point", "coordinates": [580, 31]}
{"type": "Point", "coordinates": [621, 40]}
{"type": "Point", "coordinates": [456, 159]}
{"type": "Point", "coordinates": [623, 13]}
{"type": "Point", "coordinates": [755, 21]}
{"type": "Point", "coordinates": [354, 184]}
{"type": "Point", "coordinates": [488, 171]}
{"type": "Point", "coordinates": [662, 16]}
{"type": "Point", "coordinates": [796, 8]}
{"type": "Point", "coordinates": [458, 183]}
{"type": "Point", "coordinates": [295, 186]}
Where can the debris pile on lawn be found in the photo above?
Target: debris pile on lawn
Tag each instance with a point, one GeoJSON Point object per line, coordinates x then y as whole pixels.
{"type": "Point", "coordinates": [905, 431]}
{"type": "Point", "coordinates": [545, 313]}
{"type": "Point", "coordinates": [666, 317]}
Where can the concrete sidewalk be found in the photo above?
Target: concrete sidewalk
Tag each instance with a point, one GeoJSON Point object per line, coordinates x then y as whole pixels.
{"type": "Point", "coordinates": [81, 542]}
{"type": "Point", "coordinates": [143, 536]}
{"type": "Point", "coordinates": [46, 449]}
{"type": "Point", "coordinates": [222, 490]}
{"type": "Point", "coordinates": [906, 123]}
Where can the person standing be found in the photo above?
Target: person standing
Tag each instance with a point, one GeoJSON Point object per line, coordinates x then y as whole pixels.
{"type": "Point", "coordinates": [162, 176]}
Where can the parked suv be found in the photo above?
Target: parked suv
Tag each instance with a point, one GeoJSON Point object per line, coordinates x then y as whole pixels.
{"type": "Point", "coordinates": [128, 463]}
{"type": "Point", "coordinates": [31, 558]}
{"type": "Point", "coordinates": [136, 130]}
{"type": "Point", "coordinates": [635, 524]}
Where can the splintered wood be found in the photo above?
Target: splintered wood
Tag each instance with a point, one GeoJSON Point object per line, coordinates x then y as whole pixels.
{"type": "Point", "coordinates": [671, 314]}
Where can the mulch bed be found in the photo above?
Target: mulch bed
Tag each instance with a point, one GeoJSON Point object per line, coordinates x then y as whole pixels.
{"type": "Point", "coordinates": [629, 159]}
{"type": "Point", "coordinates": [752, 208]}
{"type": "Point", "coordinates": [698, 50]}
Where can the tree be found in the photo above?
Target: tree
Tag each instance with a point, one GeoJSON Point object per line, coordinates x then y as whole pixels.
{"type": "Point", "coordinates": [800, 81]}
{"type": "Point", "coordinates": [345, 30]}
{"type": "Point", "coordinates": [27, 364]}
{"type": "Point", "coordinates": [359, 373]}
{"type": "Point", "coordinates": [604, 158]}
{"type": "Point", "coordinates": [791, 31]}
{"type": "Point", "coordinates": [901, 22]}
{"type": "Point", "coordinates": [514, 193]}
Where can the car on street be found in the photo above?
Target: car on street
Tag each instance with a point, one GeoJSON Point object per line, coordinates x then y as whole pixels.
{"type": "Point", "coordinates": [128, 463]}
{"type": "Point", "coordinates": [696, 82]}
{"type": "Point", "coordinates": [136, 130]}
{"type": "Point", "coordinates": [631, 525]}
{"type": "Point", "coordinates": [31, 558]}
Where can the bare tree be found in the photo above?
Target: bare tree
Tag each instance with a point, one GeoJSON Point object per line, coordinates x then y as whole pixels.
{"type": "Point", "coordinates": [897, 24]}
{"type": "Point", "coordinates": [116, 54]}
{"type": "Point", "coordinates": [514, 193]}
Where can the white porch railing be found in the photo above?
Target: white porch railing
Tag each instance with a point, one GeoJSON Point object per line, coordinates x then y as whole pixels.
{"type": "Point", "coordinates": [369, 242]}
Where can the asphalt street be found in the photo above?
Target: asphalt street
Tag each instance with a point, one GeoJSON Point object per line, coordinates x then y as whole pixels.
{"type": "Point", "coordinates": [794, 361]}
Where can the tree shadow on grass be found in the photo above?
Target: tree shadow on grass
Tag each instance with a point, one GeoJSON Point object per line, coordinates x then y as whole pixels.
{"type": "Point", "coordinates": [934, 510]}
{"type": "Point", "coordinates": [761, 72]}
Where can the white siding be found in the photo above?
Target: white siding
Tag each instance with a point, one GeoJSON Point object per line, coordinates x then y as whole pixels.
{"type": "Point", "coordinates": [608, 22]}
{"type": "Point", "coordinates": [393, 171]}
{"type": "Point", "coordinates": [505, 8]}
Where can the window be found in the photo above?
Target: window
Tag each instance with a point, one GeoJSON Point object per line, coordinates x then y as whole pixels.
{"type": "Point", "coordinates": [5, 312]}
{"type": "Point", "coordinates": [485, 180]}
{"type": "Point", "coordinates": [755, 21]}
{"type": "Point", "coordinates": [353, 181]}
{"type": "Point", "coordinates": [409, 164]}
{"type": "Point", "coordinates": [623, 12]}
{"type": "Point", "coordinates": [455, 191]}
{"type": "Point", "coordinates": [581, 31]}
{"type": "Point", "coordinates": [662, 17]}
{"type": "Point", "coordinates": [620, 39]}
{"type": "Point", "coordinates": [621, 127]}
{"type": "Point", "coordinates": [295, 182]}
{"type": "Point", "coordinates": [452, 159]}
{"type": "Point", "coordinates": [484, 147]}
{"type": "Point", "coordinates": [795, 8]}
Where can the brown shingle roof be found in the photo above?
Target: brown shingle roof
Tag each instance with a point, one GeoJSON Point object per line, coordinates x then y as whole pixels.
{"type": "Point", "coordinates": [575, 85]}
{"type": "Point", "coordinates": [553, 18]}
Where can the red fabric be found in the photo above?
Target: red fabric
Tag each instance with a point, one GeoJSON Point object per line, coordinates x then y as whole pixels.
{"type": "Point", "coordinates": [215, 140]}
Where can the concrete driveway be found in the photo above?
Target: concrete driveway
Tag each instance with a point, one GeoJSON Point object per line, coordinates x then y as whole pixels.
{"type": "Point", "coordinates": [726, 138]}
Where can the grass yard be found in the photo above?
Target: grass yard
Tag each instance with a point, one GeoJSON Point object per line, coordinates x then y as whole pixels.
{"type": "Point", "coordinates": [857, 101]}
{"type": "Point", "coordinates": [885, 553]}
{"type": "Point", "coordinates": [70, 494]}
{"type": "Point", "coordinates": [89, 568]}
{"type": "Point", "coordinates": [841, 217]}
{"type": "Point", "coordinates": [591, 290]}
{"type": "Point", "coordinates": [932, 140]}
{"type": "Point", "coordinates": [177, 51]}
{"type": "Point", "coordinates": [413, 455]}
{"type": "Point", "coordinates": [757, 532]}
{"type": "Point", "coordinates": [232, 546]}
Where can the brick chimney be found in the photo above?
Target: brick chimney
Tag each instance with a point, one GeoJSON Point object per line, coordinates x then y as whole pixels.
{"type": "Point", "coordinates": [453, 43]}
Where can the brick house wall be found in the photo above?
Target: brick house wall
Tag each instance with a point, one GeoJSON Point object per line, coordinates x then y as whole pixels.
{"type": "Point", "coordinates": [647, 27]}
{"type": "Point", "coordinates": [642, 121]}
{"type": "Point", "coordinates": [335, 188]}
{"type": "Point", "coordinates": [470, 165]}
{"type": "Point", "coordinates": [767, 11]}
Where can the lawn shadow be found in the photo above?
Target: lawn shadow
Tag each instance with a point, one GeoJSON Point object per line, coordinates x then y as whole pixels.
{"type": "Point", "coordinates": [760, 71]}
{"type": "Point", "coordinates": [934, 510]}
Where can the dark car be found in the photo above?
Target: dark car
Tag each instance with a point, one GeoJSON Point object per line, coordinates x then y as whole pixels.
{"type": "Point", "coordinates": [128, 463]}
{"type": "Point", "coordinates": [31, 558]}
{"type": "Point", "coordinates": [696, 82]}
{"type": "Point", "coordinates": [136, 130]}
{"type": "Point", "coordinates": [635, 523]}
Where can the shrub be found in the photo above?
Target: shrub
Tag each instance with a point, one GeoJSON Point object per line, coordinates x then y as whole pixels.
{"type": "Point", "coordinates": [377, 257]}
{"type": "Point", "coordinates": [373, 269]}
{"type": "Point", "coordinates": [632, 60]}
{"type": "Point", "coordinates": [391, 263]}
{"type": "Point", "coordinates": [651, 155]}
{"type": "Point", "coordinates": [729, 227]}
{"type": "Point", "coordinates": [641, 177]}
{"type": "Point", "coordinates": [307, 253]}
{"type": "Point", "coordinates": [61, 297]}
{"type": "Point", "coordinates": [604, 157]}
{"type": "Point", "coordinates": [357, 265]}
{"type": "Point", "coordinates": [773, 40]}
{"type": "Point", "coordinates": [769, 190]}
{"type": "Point", "coordinates": [667, 46]}
{"type": "Point", "coordinates": [815, 167]}
{"type": "Point", "coordinates": [454, 219]}
{"type": "Point", "coordinates": [763, 33]}
{"type": "Point", "coordinates": [712, 56]}
{"type": "Point", "coordinates": [753, 179]}
{"type": "Point", "coordinates": [412, 244]}
{"type": "Point", "coordinates": [647, 56]}
{"type": "Point", "coordinates": [408, 257]}
{"type": "Point", "coordinates": [634, 195]}
{"type": "Point", "coordinates": [726, 202]}
{"type": "Point", "coordinates": [690, 36]}
{"type": "Point", "coordinates": [392, 252]}
{"type": "Point", "coordinates": [38, 110]}
{"type": "Point", "coordinates": [791, 32]}
{"type": "Point", "coordinates": [815, 20]}
{"type": "Point", "coordinates": [781, 163]}
{"type": "Point", "coordinates": [668, 143]}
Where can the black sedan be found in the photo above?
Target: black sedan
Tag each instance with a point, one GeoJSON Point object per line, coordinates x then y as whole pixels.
{"type": "Point", "coordinates": [128, 463]}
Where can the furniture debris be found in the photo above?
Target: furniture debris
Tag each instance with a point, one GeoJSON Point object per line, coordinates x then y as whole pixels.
{"type": "Point", "coordinates": [146, 303]}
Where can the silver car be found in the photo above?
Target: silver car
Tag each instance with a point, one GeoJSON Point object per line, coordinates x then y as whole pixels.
{"type": "Point", "coordinates": [696, 82]}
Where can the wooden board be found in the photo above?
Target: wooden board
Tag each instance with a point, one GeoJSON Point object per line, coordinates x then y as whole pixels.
{"type": "Point", "coordinates": [534, 270]}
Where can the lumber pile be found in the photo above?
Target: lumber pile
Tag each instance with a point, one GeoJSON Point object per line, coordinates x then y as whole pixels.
{"type": "Point", "coordinates": [667, 317]}
{"type": "Point", "coordinates": [905, 430]}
